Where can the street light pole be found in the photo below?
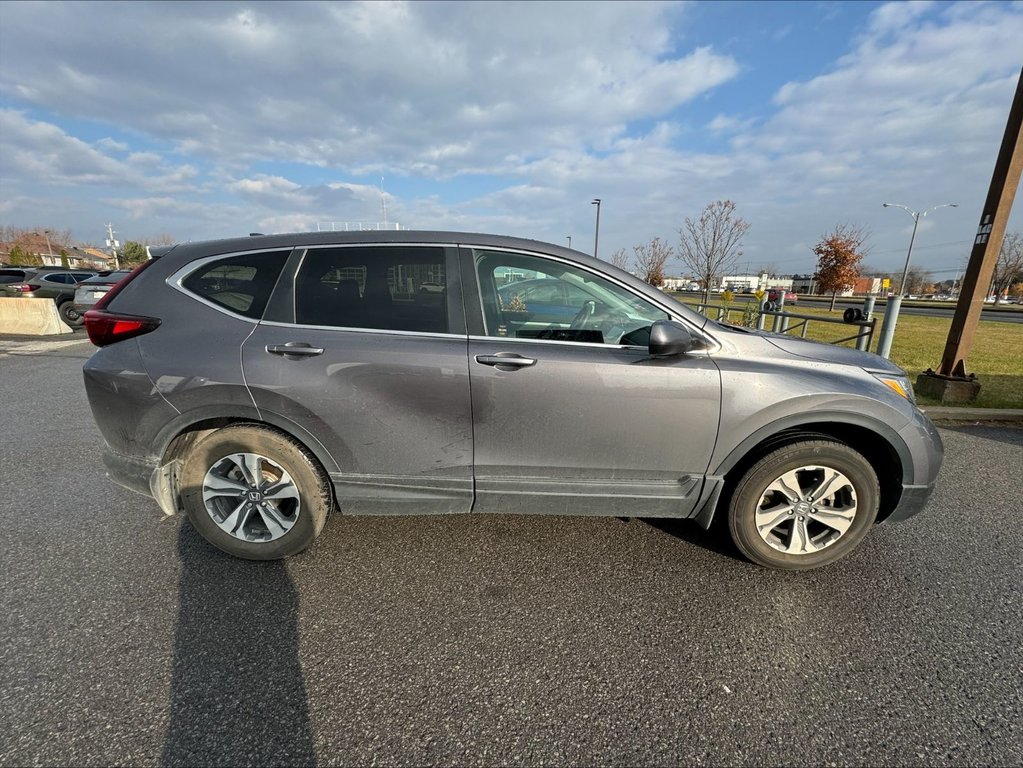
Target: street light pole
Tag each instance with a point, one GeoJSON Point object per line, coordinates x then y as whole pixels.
{"type": "Point", "coordinates": [596, 231]}
{"type": "Point", "coordinates": [46, 234]}
{"type": "Point", "coordinates": [916, 220]}
{"type": "Point", "coordinates": [891, 311]}
{"type": "Point", "coordinates": [569, 240]}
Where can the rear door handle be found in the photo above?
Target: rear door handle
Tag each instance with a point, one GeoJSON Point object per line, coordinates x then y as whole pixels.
{"type": "Point", "coordinates": [294, 349]}
{"type": "Point", "coordinates": [506, 359]}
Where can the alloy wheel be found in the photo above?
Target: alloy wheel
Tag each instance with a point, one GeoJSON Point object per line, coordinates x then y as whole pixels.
{"type": "Point", "coordinates": [251, 497]}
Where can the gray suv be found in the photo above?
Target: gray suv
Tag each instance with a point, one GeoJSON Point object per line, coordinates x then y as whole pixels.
{"type": "Point", "coordinates": [257, 384]}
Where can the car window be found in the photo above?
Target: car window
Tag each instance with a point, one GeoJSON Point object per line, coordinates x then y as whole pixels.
{"type": "Point", "coordinates": [59, 277]}
{"type": "Point", "coordinates": [80, 276]}
{"type": "Point", "coordinates": [548, 292]}
{"type": "Point", "coordinates": [241, 284]}
{"type": "Point", "coordinates": [398, 288]}
{"type": "Point", "coordinates": [109, 278]}
{"type": "Point", "coordinates": [584, 308]}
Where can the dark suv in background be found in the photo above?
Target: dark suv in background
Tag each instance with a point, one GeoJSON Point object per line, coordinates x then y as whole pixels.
{"type": "Point", "coordinates": [57, 283]}
{"type": "Point", "coordinates": [257, 384]}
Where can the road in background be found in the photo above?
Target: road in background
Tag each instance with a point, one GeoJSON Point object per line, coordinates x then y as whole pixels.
{"type": "Point", "coordinates": [1006, 314]}
{"type": "Point", "coordinates": [126, 639]}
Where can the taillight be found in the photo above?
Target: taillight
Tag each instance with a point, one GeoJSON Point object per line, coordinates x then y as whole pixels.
{"type": "Point", "coordinates": [105, 328]}
{"type": "Point", "coordinates": [21, 288]}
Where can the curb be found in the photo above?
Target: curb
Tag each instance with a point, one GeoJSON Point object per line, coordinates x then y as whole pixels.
{"type": "Point", "coordinates": [940, 415]}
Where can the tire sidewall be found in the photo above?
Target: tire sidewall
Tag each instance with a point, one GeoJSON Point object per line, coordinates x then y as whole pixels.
{"type": "Point", "coordinates": [742, 508]}
{"type": "Point", "coordinates": [70, 315]}
{"type": "Point", "coordinates": [314, 493]}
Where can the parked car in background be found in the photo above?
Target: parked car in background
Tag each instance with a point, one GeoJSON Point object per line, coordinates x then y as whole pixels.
{"type": "Point", "coordinates": [258, 384]}
{"type": "Point", "coordinates": [55, 283]}
{"type": "Point", "coordinates": [91, 290]}
{"type": "Point", "coordinates": [15, 275]}
{"type": "Point", "coordinates": [775, 295]}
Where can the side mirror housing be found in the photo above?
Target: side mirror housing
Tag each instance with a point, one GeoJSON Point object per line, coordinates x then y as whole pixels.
{"type": "Point", "coordinates": [668, 337]}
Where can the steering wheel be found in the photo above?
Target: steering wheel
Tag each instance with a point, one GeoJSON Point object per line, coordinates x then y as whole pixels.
{"type": "Point", "coordinates": [587, 311]}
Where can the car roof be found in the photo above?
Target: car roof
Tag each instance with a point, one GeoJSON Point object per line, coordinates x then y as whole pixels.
{"type": "Point", "coordinates": [409, 236]}
{"type": "Point", "coordinates": [184, 253]}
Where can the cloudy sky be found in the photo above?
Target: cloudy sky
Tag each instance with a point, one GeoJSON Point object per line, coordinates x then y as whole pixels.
{"type": "Point", "coordinates": [217, 119]}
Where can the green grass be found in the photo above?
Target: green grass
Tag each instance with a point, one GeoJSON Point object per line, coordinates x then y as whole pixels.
{"type": "Point", "coordinates": [996, 356]}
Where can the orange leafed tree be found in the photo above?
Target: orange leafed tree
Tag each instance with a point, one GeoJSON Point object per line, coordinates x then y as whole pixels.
{"type": "Point", "coordinates": [838, 258]}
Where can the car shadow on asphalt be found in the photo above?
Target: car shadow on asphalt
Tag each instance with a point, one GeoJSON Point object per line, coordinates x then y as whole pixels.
{"type": "Point", "coordinates": [715, 539]}
{"type": "Point", "coordinates": [237, 692]}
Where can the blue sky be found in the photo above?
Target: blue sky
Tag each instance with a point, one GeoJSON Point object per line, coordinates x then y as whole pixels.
{"type": "Point", "coordinates": [215, 119]}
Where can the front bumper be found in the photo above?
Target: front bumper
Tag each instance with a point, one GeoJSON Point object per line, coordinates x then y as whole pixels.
{"type": "Point", "coordinates": [912, 501]}
{"type": "Point", "coordinates": [927, 453]}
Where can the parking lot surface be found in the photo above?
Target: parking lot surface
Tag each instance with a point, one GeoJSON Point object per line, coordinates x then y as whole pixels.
{"type": "Point", "coordinates": [471, 640]}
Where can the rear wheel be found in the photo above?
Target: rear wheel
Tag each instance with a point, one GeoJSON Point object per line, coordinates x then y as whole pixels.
{"type": "Point", "coordinates": [70, 315]}
{"type": "Point", "coordinates": [804, 505]}
{"type": "Point", "coordinates": [254, 492]}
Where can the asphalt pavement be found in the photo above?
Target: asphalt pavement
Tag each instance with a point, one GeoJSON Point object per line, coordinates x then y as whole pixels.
{"type": "Point", "coordinates": [464, 640]}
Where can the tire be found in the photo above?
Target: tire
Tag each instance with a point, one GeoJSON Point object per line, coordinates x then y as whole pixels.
{"type": "Point", "coordinates": [217, 492]}
{"type": "Point", "coordinates": [780, 526]}
{"type": "Point", "coordinates": [69, 315]}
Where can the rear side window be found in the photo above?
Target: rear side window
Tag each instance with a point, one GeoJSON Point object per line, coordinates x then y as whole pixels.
{"type": "Point", "coordinates": [398, 288]}
{"type": "Point", "coordinates": [241, 284]}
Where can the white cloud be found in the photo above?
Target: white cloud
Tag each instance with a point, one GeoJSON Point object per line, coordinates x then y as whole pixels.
{"type": "Point", "coordinates": [426, 87]}
{"type": "Point", "coordinates": [548, 104]}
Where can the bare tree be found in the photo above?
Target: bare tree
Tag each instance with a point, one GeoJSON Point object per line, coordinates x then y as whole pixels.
{"type": "Point", "coordinates": [917, 281]}
{"type": "Point", "coordinates": [838, 255]}
{"type": "Point", "coordinates": [710, 246]}
{"type": "Point", "coordinates": [651, 258]}
{"type": "Point", "coordinates": [1009, 267]}
{"type": "Point", "coordinates": [620, 259]}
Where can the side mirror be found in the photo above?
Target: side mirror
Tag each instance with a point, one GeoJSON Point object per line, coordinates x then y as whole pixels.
{"type": "Point", "coordinates": [670, 338]}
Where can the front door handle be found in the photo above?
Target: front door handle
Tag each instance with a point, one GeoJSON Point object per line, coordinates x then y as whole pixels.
{"type": "Point", "coordinates": [294, 349]}
{"type": "Point", "coordinates": [506, 359]}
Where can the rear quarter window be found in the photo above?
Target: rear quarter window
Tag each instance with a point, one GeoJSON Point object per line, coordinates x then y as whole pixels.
{"type": "Point", "coordinates": [241, 284]}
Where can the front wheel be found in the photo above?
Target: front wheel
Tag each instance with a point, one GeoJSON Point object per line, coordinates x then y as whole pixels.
{"type": "Point", "coordinates": [804, 505]}
{"type": "Point", "coordinates": [255, 493]}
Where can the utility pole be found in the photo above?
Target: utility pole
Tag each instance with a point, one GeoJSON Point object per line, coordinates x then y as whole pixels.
{"type": "Point", "coordinates": [951, 383]}
{"type": "Point", "coordinates": [596, 231]}
{"type": "Point", "coordinates": [113, 245]}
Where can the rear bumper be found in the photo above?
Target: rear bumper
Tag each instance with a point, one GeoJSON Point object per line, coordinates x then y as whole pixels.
{"type": "Point", "coordinates": [131, 472]}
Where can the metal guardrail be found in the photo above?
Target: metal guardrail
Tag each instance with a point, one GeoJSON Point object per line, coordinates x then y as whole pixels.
{"type": "Point", "coordinates": [782, 320]}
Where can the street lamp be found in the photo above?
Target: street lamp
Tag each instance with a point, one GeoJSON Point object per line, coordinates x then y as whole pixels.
{"type": "Point", "coordinates": [916, 220]}
{"type": "Point", "coordinates": [596, 231]}
{"type": "Point", "coordinates": [46, 234]}
{"type": "Point", "coordinates": [569, 240]}
{"type": "Point", "coordinates": [891, 311]}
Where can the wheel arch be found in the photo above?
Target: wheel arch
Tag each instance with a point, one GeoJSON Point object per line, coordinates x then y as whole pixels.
{"type": "Point", "coordinates": [878, 442]}
{"type": "Point", "coordinates": [178, 435]}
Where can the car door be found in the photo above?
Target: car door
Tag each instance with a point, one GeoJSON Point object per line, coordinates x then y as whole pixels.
{"type": "Point", "coordinates": [375, 369]}
{"type": "Point", "coordinates": [576, 416]}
